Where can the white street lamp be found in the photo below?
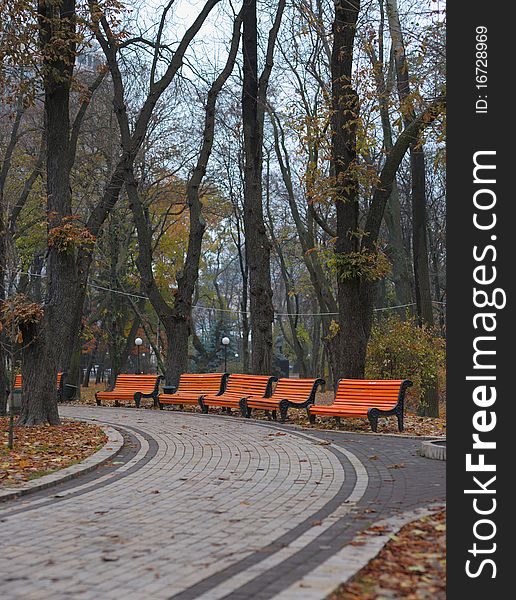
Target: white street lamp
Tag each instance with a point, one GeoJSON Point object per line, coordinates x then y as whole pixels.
{"type": "Point", "coordinates": [225, 343]}
{"type": "Point", "coordinates": [138, 341]}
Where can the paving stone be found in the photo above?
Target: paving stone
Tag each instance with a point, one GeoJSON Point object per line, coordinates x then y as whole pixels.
{"type": "Point", "coordinates": [206, 507]}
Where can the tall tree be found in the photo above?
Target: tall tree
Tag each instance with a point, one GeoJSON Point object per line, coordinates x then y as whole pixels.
{"type": "Point", "coordinates": [258, 248]}
{"type": "Point", "coordinates": [358, 263]}
{"type": "Point", "coordinates": [177, 318]}
{"type": "Point", "coordinates": [41, 341]}
{"type": "Point", "coordinates": [384, 84]}
{"type": "Point", "coordinates": [430, 404]}
{"type": "Point", "coordinates": [417, 171]}
{"type": "Point", "coordinates": [352, 336]}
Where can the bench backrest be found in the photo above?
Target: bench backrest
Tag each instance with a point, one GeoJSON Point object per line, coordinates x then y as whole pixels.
{"type": "Point", "coordinates": [377, 393]}
{"type": "Point", "coordinates": [249, 385]}
{"type": "Point", "coordinates": [60, 380]}
{"type": "Point", "coordinates": [297, 390]}
{"type": "Point", "coordinates": [135, 383]}
{"type": "Point", "coordinates": [18, 381]}
{"type": "Point", "coordinates": [207, 383]}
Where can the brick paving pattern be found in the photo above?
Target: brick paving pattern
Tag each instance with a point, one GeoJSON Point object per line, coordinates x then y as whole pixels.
{"type": "Point", "coordinates": [202, 506]}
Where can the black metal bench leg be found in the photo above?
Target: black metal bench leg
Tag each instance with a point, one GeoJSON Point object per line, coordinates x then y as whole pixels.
{"type": "Point", "coordinates": [283, 407]}
{"type": "Point", "coordinates": [244, 411]}
{"type": "Point", "coordinates": [337, 421]}
{"type": "Point", "coordinates": [400, 421]}
{"type": "Point", "coordinates": [311, 418]}
{"type": "Point", "coordinates": [373, 420]}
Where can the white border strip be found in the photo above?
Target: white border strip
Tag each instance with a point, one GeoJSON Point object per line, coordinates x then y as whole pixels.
{"type": "Point", "coordinates": [327, 577]}
{"type": "Point", "coordinates": [272, 560]}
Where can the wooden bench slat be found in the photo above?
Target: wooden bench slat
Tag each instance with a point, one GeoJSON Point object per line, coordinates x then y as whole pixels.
{"type": "Point", "coordinates": [237, 387]}
{"type": "Point", "coordinates": [192, 386]}
{"type": "Point", "coordinates": [298, 393]}
{"type": "Point", "coordinates": [131, 387]}
{"type": "Point", "coordinates": [371, 398]}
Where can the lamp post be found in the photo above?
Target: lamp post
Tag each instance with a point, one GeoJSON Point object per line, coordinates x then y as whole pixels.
{"type": "Point", "coordinates": [225, 342]}
{"type": "Point", "coordinates": [138, 341]}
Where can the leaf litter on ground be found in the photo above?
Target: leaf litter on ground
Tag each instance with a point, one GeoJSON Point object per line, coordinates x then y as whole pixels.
{"type": "Point", "coordinates": [412, 565]}
{"type": "Point", "coordinates": [43, 449]}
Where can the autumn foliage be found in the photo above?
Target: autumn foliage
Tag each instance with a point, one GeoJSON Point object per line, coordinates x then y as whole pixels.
{"type": "Point", "coordinates": [401, 350]}
{"type": "Point", "coordinates": [43, 449]}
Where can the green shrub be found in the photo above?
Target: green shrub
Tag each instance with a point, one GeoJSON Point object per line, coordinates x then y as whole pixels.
{"type": "Point", "coordinates": [401, 350]}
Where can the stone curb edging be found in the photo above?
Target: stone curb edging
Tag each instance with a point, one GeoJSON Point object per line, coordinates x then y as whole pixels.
{"type": "Point", "coordinates": [110, 449]}
{"type": "Point", "coordinates": [346, 563]}
{"type": "Point", "coordinates": [434, 449]}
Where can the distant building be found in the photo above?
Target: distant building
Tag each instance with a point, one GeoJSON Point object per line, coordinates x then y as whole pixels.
{"type": "Point", "coordinates": [88, 60]}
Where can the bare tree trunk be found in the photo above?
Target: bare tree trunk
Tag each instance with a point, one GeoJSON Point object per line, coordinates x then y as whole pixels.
{"type": "Point", "coordinates": [177, 319]}
{"type": "Point", "coordinates": [43, 347]}
{"type": "Point", "coordinates": [244, 272]}
{"type": "Point", "coordinates": [99, 375]}
{"type": "Point", "coordinates": [89, 367]}
{"type": "Point", "coordinates": [293, 339]}
{"type": "Point", "coordinates": [129, 344]}
{"type": "Point", "coordinates": [419, 238]}
{"type": "Point", "coordinates": [258, 249]}
{"type": "Point", "coordinates": [396, 250]}
{"type": "Point", "coordinates": [320, 283]}
{"type": "Point", "coordinates": [257, 244]}
{"type": "Point", "coordinates": [351, 339]}
{"type": "Point", "coordinates": [245, 318]}
{"type": "Point", "coordinates": [430, 404]}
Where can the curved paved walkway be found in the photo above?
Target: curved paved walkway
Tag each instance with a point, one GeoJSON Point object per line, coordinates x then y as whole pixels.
{"type": "Point", "coordinates": [202, 506]}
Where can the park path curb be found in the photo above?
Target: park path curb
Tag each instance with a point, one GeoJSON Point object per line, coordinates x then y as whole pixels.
{"type": "Point", "coordinates": [346, 563]}
{"type": "Point", "coordinates": [110, 449]}
{"type": "Point", "coordinates": [435, 449]}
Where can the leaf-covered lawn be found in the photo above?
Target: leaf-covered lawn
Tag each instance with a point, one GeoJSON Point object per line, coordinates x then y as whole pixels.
{"type": "Point", "coordinates": [40, 450]}
{"type": "Point", "coordinates": [414, 425]}
{"type": "Point", "coordinates": [412, 566]}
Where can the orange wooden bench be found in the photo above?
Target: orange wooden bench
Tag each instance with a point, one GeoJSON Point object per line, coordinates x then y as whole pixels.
{"type": "Point", "coordinates": [59, 386]}
{"type": "Point", "coordinates": [371, 398]}
{"type": "Point", "coordinates": [296, 393]}
{"type": "Point", "coordinates": [132, 387]}
{"type": "Point", "coordinates": [238, 387]}
{"type": "Point", "coordinates": [192, 386]}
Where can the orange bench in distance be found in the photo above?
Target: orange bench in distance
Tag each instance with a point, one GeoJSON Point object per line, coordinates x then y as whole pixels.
{"type": "Point", "coordinates": [238, 387]}
{"type": "Point", "coordinates": [192, 386]}
{"type": "Point", "coordinates": [295, 393]}
{"type": "Point", "coordinates": [129, 387]}
{"type": "Point", "coordinates": [371, 398]}
{"type": "Point", "coordinates": [59, 386]}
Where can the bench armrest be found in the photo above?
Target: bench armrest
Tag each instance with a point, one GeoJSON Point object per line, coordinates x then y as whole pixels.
{"type": "Point", "coordinates": [142, 395]}
{"type": "Point", "coordinates": [373, 413]}
{"type": "Point", "coordinates": [268, 389]}
{"type": "Point", "coordinates": [223, 384]}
